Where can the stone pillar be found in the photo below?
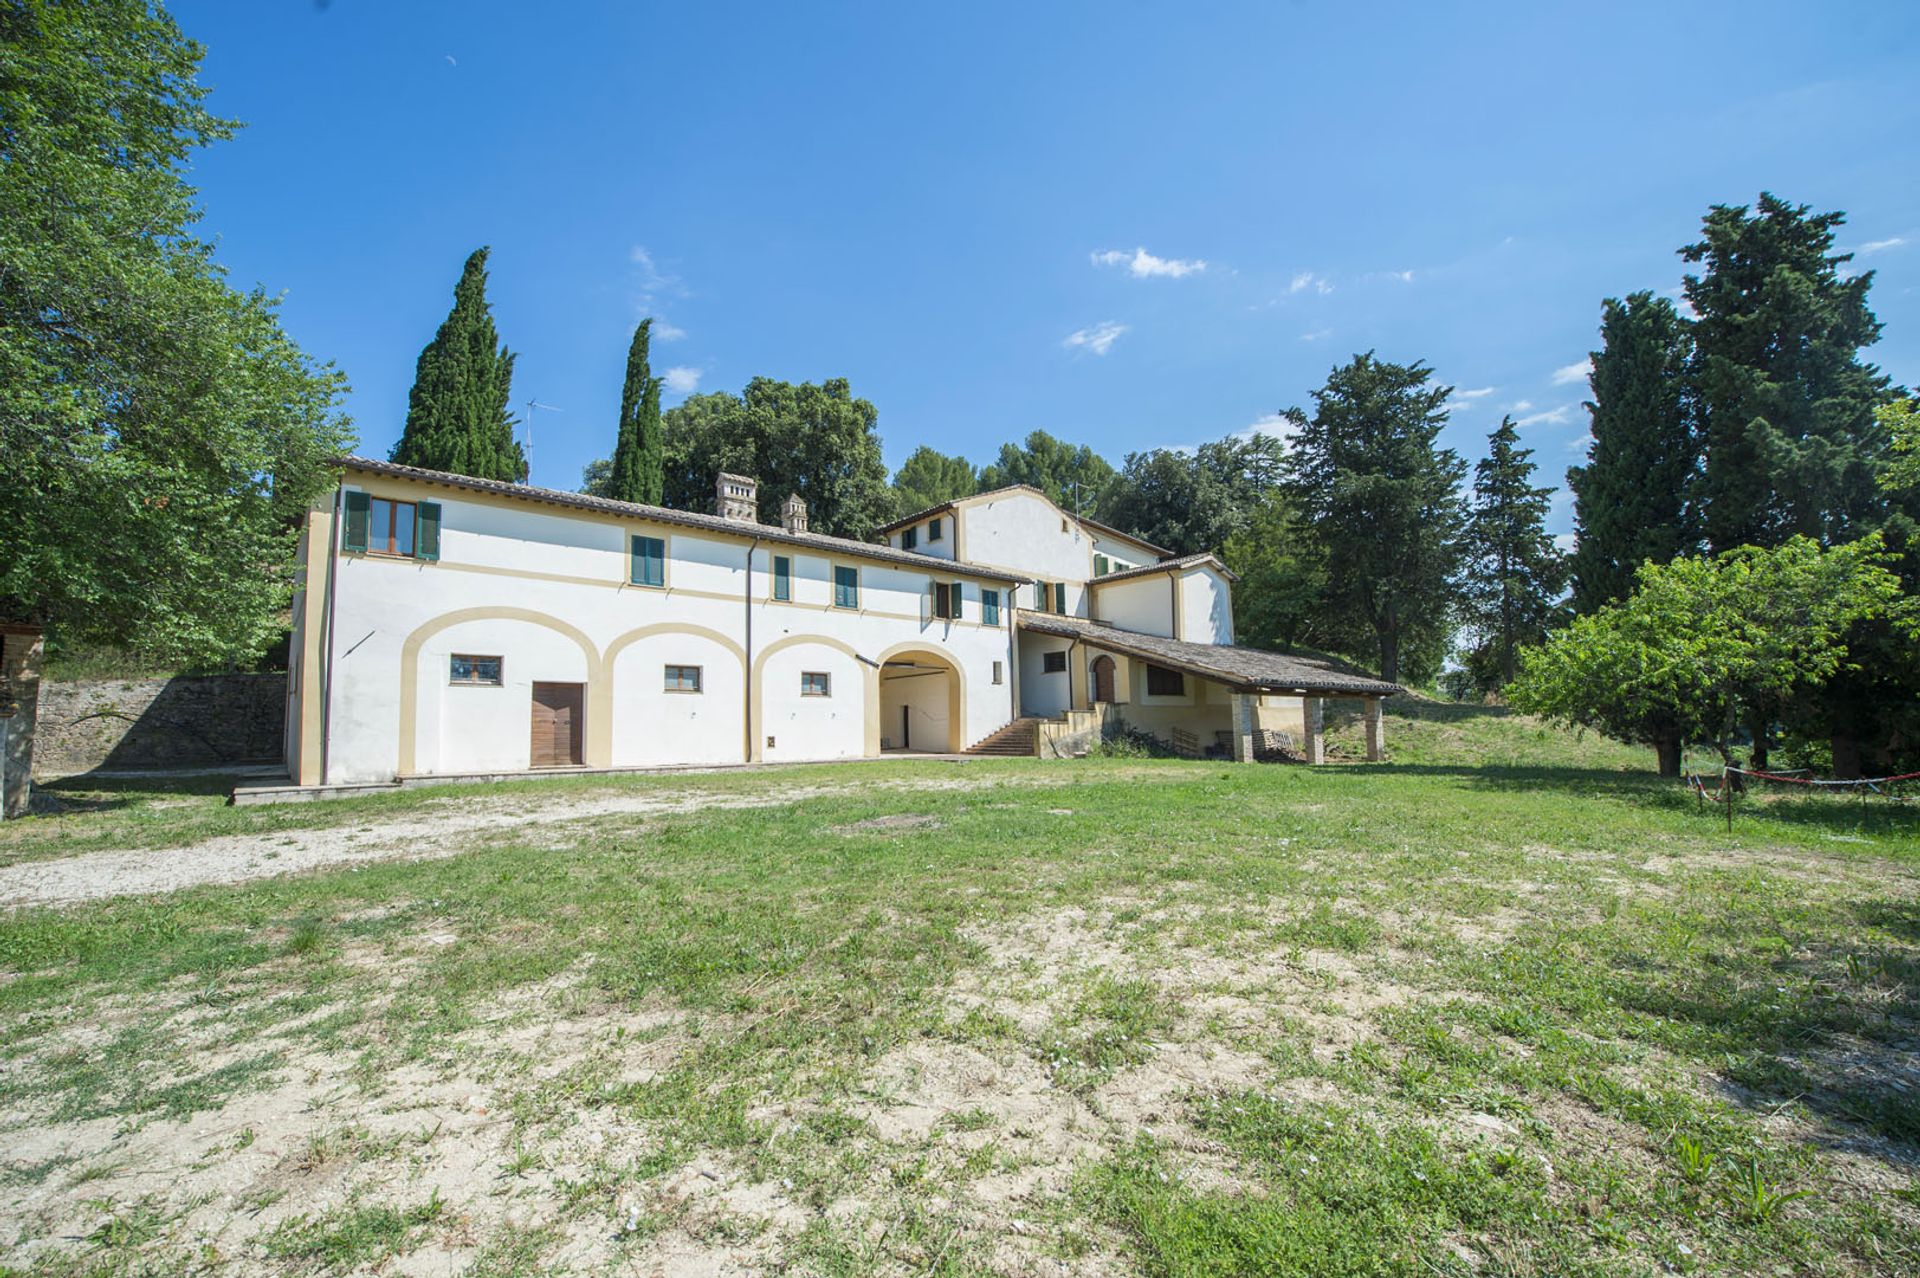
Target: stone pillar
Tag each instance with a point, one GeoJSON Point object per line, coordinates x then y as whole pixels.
{"type": "Point", "coordinates": [1313, 712]}
{"type": "Point", "coordinates": [19, 702]}
{"type": "Point", "coordinates": [1376, 731]}
{"type": "Point", "coordinates": [1242, 706]}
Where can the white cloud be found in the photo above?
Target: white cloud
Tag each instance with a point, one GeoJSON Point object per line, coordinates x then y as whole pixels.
{"type": "Point", "coordinates": [1276, 425]}
{"type": "Point", "coordinates": [1881, 246]}
{"type": "Point", "coordinates": [1568, 374]}
{"type": "Point", "coordinates": [1557, 416]}
{"type": "Point", "coordinates": [1465, 399]}
{"type": "Point", "coordinates": [1314, 335]}
{"type": "Point", "coordinates": [1099, 338]}
{"type": "Point", "coordinates": [1404, 277]}
{"type": "Point", "coordinates": [1308, 280]}
{"type": "Point", "coordinates": [668, 331]}
{"type": "Point", "coordinates": [1144, 265]}
{"type": "Point", "coordinates": [680, 379]}
{"type": "Point", "coordinates": [1564, 542]}
{"type": "Point", "coordinates": [1519, 406]}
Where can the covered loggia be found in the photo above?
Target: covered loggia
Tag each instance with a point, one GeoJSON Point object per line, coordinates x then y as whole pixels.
{"type": "Point", "coordinates": [921, 704]}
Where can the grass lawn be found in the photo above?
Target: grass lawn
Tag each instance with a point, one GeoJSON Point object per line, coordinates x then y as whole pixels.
{"type": "Point", "coordinates": [1507, 1005]}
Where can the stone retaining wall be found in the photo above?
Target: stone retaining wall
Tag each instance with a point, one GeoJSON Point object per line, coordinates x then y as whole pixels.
{"type": "Point", "coordinates": [155, 724]}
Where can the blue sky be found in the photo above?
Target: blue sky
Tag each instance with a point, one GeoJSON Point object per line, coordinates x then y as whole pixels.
{"type": "Point", "coordinates": [1128, 226]}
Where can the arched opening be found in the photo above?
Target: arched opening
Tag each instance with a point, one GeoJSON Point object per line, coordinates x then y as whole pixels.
{"type": "Point", "coordinates": [1103, 678]}
{"type": "Point", "coordinates": [921, 704]}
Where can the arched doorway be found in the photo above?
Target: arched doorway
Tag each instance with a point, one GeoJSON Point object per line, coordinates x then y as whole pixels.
{"type": "Point", "coordinates": [920, 704]}
{"type": "Point", "coordinates": [1103, 678]}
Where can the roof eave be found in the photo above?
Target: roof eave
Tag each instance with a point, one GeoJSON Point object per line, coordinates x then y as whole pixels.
{"type": "Point", "coordinates": [664, 514]}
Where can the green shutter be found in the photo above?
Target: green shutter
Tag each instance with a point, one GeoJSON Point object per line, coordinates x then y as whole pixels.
{"type": "Point", "coordinates": [426, 534]}
{"type": "Point", "coordinates": [1101, 565]}
{"type": "Point", "coordinates": [647, 562]}
{"type": "Point", "coordinates": [782, 577]}
{"type": "Point", "coordinates": [359, 508]}
{"type": "Point", "coordinates": [1060, 597]}
{"type": "Point", "coordinates": [957, 600]}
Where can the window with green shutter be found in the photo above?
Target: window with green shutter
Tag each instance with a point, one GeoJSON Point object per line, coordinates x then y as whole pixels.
{"type": "Point", "coordinates": [426, 543]}
{"type": "Point", "coordinates": [353, 539]}
{"type": "Point", "coordinates": [782, 577]}
{"type": "Point", "coordinates": [382, 526]}
{"type": "Point", "coordinates": [935, 529]}
{"type": "Point", "coordinates": [846, 587]}
{"type": "Point", "coordinates": [1060, 597]}
{"type": "Point", "coordinates": [647, 562]}
{"type": "Point", "coordinates": [909, 539]}
{"type": "Point", "coordinates": [1101, 565]}
{"type": "Point", "coordinates": [990, 607]}
{"type": "Point", "coordinates": [957, 600]}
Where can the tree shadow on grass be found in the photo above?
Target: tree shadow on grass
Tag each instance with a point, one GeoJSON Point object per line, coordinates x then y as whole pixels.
{"type": "Point", "coordinates": [1833, 1026]}
{"type": "Point", "coordinates": [1754, 813]}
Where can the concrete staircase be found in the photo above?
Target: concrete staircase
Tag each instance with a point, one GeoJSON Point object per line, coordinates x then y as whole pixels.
{"type": "Point", "coordinates": [1019, 739]}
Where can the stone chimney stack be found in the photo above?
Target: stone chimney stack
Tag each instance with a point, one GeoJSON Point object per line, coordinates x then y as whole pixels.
{"type": "Point", "coordinates": [793, 514]}
{"type": "Point", "coordinates": [737, 497]}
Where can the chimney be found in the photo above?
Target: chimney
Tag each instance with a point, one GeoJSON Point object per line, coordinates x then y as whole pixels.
{"type": "Point", "coordinates": [737, 497]}
{"type": "Point", "coordinates": [793, 514]}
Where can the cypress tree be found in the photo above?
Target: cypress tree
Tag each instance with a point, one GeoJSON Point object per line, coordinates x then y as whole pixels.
{"type": "Point", "coordinates": [639, 452]}
{"type": "Point", "coordinates": [1383, 500]}
{"type": "Point", "coordinates": [457, 418]}
{"type": "Point", "coordinates": [1787, 406]}
{"type": "Point", "coordinates": [1630, 501]}
{"type": "Point", "coordinates": [1515, 574]}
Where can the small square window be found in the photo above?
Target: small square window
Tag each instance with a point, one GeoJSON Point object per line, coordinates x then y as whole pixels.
{"type": "Point", "coordinates": [683, 678]}
{"type": "Point", "coordinates": [1162, 682]}
{"type": "Point", "coordinates": [816, 683]}
{"type": "Point", "coordinates": [1053, 663]}
{"type": "Point", "coordinates": [935, 529]}
{"type": "Point", "coordinates": [466, 668]}
{"type": "Point", "coordinates": [998, 673]}
{"type": "Point", "coordinates": [909, 539]}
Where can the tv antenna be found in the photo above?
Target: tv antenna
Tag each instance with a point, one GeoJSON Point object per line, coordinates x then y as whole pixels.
{"type": "Point", "coordinates": [532, 405]}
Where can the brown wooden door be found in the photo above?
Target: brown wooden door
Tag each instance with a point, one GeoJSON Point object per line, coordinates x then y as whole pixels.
{"type": "Point", "coordinates": [559, 712]}
{"type": "Point", "coordinates": [1103, 678]}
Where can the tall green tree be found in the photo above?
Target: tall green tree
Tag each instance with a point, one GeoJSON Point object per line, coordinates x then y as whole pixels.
{"type": "Point", "coordinates": [638, 472]}
{"type": "Point", "coordinates": [160, 435]}
{"type": "Point", "coordinates": [814, 440]}
{"type": "Point", "coordinates": [930, 477]}
{"type": "Point", "coordinates": [1282, 572]}
{"type": "Point", "coordinates": [1193, 501]}
{"type": "Point", "coordinates": [457, 414]}
{"type": "Point", "coordinates": [1383, 501]}
{"type": "Point", "coordinates": [1631, 501]}
{"type": "Point", "coordinates": [1900, 418]}
{"type": "Point", "coordinates": [1515, 576]}
{"type": "Point", "coordinates": [1072, 475]}
{"type": "Point", "coordinates": [1792, 447]}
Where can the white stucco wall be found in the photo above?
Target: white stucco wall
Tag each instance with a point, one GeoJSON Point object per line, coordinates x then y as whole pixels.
{"type": "Point", "coordinates": [547, 592]}
{"type": "Point", "coordinates": [1143, 604]}
{"type": "Point", "coordinates": [1206, 606]}
{"type": "Point", "coordinates": [1042, 693]}
{"type": "Point", "coordinates": [1021, 532]}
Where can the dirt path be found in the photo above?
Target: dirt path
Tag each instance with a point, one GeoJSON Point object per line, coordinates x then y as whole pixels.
{"type": "Point", "coordinates": [445, 828]}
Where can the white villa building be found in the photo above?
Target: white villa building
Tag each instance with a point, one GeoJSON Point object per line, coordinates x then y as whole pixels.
{"type": "Point", "coordinates": [450, 626]}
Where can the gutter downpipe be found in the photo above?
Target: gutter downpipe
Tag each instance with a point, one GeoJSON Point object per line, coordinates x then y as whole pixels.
{"type": "Point", "coordinates": [746, 675]}
{"type": "Point", "coordinates": [326, 637]}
